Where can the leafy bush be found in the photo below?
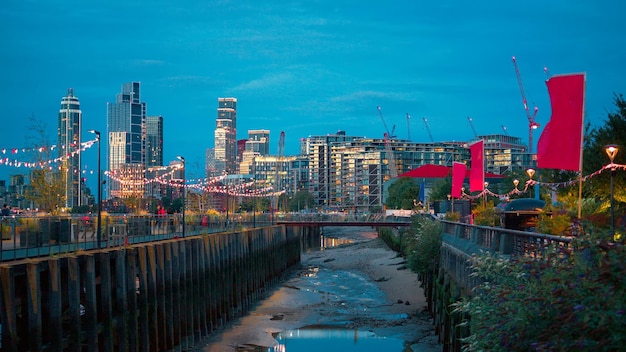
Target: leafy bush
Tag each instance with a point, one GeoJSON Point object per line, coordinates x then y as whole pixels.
{"type": "Point", "coordinates": [423, 255]}
{"type": "Point", "coordinates": [557, 223]}
{"type": "Point", "coordinates": [572, 299]}
{"type": "Point", "coordinates": [393, 242]}
{"type": "Point", "coordinates": [453, 216]}
{"type": "Point", "coordinates": [484, 214]}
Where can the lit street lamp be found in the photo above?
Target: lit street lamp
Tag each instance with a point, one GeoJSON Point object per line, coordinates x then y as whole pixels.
{"type": "Point", "coordinates": [184, 191]}
{"type": "Point", "coordinates": [530, 173]}
{"type": "Point", "coordinates": [485, 193]}
{"type": "Point", "coordinates": [611, 150]}
{"type": "Point", "coordinates": [99, 228]}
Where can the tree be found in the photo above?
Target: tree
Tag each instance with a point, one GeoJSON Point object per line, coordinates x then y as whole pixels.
{"type": "Point", "coordinates": [441, 189]}
{"type": "Point", "coordinates": [596, 190]}
{"type": "Point", "coordinates": [47, 184]}
{"type": "Point", "coordinates": [301, 200]}
{"type": "Point", "coordinates": [612, 132]}
{"type": "Point", "coordinates": [403, 193]}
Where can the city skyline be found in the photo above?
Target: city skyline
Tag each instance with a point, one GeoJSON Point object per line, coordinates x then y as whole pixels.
{"type": "Point", "coordinates": [306, 69]}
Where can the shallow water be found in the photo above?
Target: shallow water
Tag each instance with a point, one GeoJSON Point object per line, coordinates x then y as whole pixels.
{"type": "Point", "coordinates": [332, 339]}
{"type": "Point", "coordinates": [352, 295]}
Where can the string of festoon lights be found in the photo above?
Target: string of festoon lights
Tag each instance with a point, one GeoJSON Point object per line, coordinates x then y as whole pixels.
{"type": "Point", "coordinates": [551, 185]}
{"type": "Point", "coordinates": [15, 162]}
{"type": "Point", "coordinates": [211, 185]}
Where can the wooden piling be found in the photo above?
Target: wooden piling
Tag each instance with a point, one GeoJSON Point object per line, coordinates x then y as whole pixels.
{"type": "Point", "coordinates": [55, 304]}
{"type": "Point", "coordinates": [158, 296]}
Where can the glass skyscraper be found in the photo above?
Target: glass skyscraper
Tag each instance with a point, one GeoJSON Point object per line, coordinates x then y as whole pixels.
{"type": "Point", "coordinates": [127, 141]}
{"type": "Point", "coordinates": [154, 136]}
{"type": "Point", "coordinates": [226, 136]}
{"type": "Point", "coordinates": [70, 120]}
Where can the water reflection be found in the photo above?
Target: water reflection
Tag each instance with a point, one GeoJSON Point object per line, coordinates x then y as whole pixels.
{"type": "Point", "coordinates": [326, 242]}
{"type": "Point", "coordinates": [333, 339]}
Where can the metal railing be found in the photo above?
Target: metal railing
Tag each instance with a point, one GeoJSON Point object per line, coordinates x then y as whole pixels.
{"type": "Point", "coordinates": [36, 236]}
{"type": "Point", "coordinates": [25, 237]}
{"type": "Point", "coordinates": [503, 241]}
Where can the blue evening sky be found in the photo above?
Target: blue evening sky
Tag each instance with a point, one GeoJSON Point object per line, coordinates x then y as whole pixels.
{"type": "Point", "coordinates": [305, 67]}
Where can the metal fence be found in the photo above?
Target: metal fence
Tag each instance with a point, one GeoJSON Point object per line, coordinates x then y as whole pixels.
{"type": "Point", "coordinates": [35, 236]}
{"type": "Point", "coordinates": [504, 241]}
{"type": "Point", "coordinates": [24, 237]}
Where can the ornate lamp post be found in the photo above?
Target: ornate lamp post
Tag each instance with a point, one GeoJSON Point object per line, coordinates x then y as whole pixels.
{"type": "Point", "coordinates": [99, 228]}
{"type": "Point", "coordinates": [611, 150]}
{"type": "Point", "coordinates": [184, 191]}
{"type": "Point", "coordinates": [485, 194]}
{"type": "Point", "coordinates": [530, 173]}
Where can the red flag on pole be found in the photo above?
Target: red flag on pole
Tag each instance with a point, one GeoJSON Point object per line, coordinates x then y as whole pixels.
{"type": "Point", "coordinates": [458, 175]}
{"type": "Point", "coordinates": [477, 172]}
{"type": "Point", "coordinates": [560, 143]}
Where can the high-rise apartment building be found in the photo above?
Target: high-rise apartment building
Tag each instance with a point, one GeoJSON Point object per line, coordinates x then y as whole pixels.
{"type": "Point", "coordinates": [69, 127]}
{"type": "Point", "coordinates": [226, 136]}
{"type": "Point", "coordinates": [257, 144]}
{"type": "Point", "coordinates": [154, 141]}
{"type": "Point", "coordinates": [258, 141]}
{"type": "Point", "coordinates": [127, 140]}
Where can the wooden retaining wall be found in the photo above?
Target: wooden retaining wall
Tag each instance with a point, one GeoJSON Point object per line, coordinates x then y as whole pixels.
{"type": "Point", "coordinates": [156, 296]}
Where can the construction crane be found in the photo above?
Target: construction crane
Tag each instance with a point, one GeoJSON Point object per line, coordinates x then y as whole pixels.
{"type": "Point", "coordinates": [279, 165]}
{"type": "Point", "coordinates": [387, 136]}
{"type": "Point", "coordinates": [472, 126]}
{"type": "Point", "coordinates": [382, 118]}
{"type": "Point", "coordinates": [428, 129]}
{"type": "Point", "coordinates": [532, 124]}
{"type": "Point", "coordinates": [408, 126]}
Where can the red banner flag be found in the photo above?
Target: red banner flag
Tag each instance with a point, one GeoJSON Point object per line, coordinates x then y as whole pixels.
{"type": "Point", "coordinates": [477, 172]}
{"type": "Point", "coordinates": [458, 175]}
{"type": "Point", "coordinates": [560, 143]}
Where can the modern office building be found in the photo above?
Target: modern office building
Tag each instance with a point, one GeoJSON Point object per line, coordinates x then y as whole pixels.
{"type": "Point", "coordinates": [226, 136]}
{"type": "Point", "coordinates": [318, 149]}
{"type": "Point", "coordinates": [259, 141]}
{"type": "Point", "coordinates": [504, 153]}
{"type": "Point", "coordinates": [349, 173]}
{"type": "Point", "coordinates": [154, 141]}
{"type": "Point", "coordinates": [69, 134]}
{"type": "Point", "coordinates": [127, 140]}
{"type": "Point", "coordinates": [257, 144]}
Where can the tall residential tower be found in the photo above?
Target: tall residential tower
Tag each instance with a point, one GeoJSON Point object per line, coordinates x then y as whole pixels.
{"type": "Point", "coordinates": [226, 136]}
{"type": "Point", "coordinates": [70, 120]}
{"type": "Point", "coordinates": [127, 142]}
{"type": "Point", "coordinates": [154, 141]}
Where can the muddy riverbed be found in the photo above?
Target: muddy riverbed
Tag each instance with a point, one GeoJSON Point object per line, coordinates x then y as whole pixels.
{"type": "Point", "coordinates": [360, 286]}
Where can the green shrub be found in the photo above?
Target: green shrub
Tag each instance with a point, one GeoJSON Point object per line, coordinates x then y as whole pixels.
{"type": "Point", "coordinates": [424, 252]}
{"type": "Point", "coordinates": [557, 223]}
{"type": "Point", "coordinates": [484, 214]}
{"type": "Point", "coordinates": [453, 216]}
{"type": "Point", "coordinates": [393, 242]}
{"type": "Point", "coordinates": [572, 299]}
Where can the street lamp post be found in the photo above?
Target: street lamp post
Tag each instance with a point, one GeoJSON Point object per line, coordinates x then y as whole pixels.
{"type": "Point", "coordinates": [530, 173]}
{"type": "Point", "coordinates": [611, 150]}
{"type": "Point", "coordinates": [485, 194]}
{"type": "Point", "coordinates": [99, 227]}
{"type": "Point", "coordinates": [184, 191]}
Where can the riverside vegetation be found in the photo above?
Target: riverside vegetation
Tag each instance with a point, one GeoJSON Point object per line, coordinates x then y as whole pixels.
{"type": "Point", "coordinates": [569, 299]}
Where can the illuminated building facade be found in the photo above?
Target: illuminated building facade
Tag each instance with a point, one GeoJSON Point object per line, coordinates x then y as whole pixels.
{"type": "Point", "coordinates": [127, 135]}
{"type": "Point", "coordinates": [69, 134]}
{"type": "Point", "coordinates": [225, 152]}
